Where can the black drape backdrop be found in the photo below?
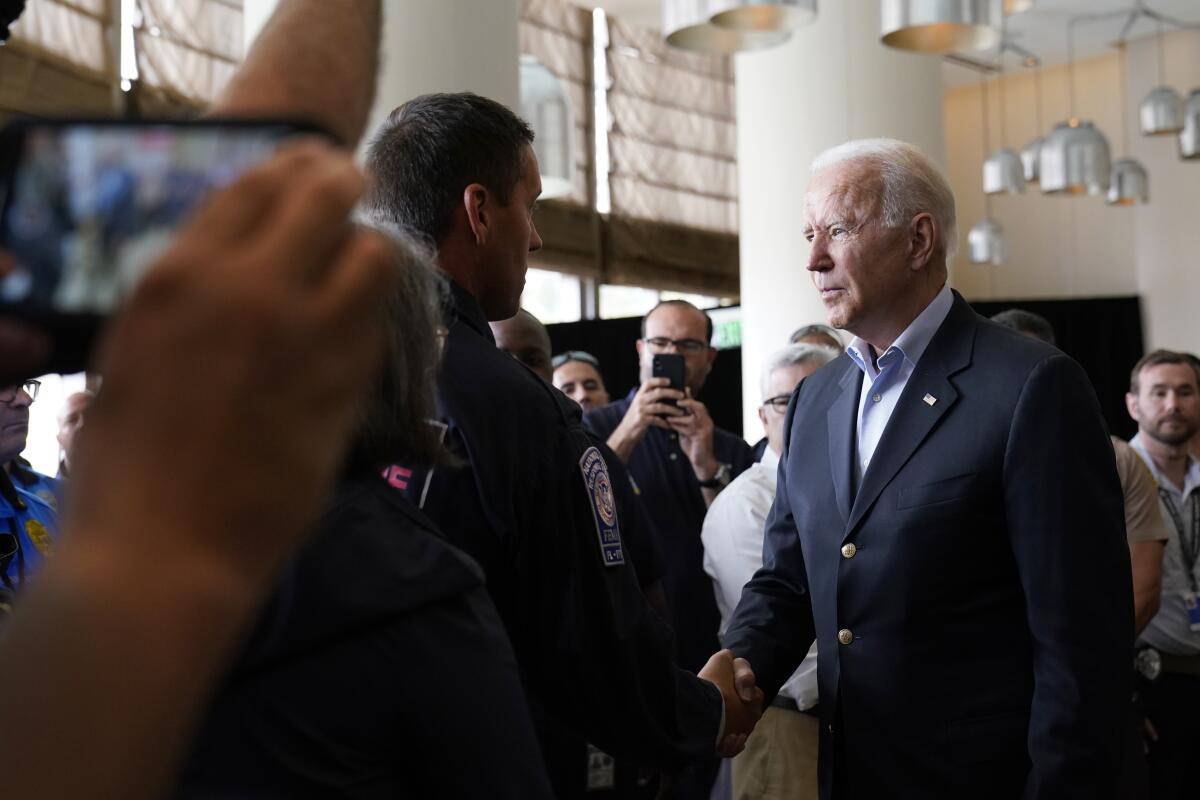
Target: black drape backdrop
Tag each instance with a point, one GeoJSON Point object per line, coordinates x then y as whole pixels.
{"type": "Point", "coordinates": [1104, 335]}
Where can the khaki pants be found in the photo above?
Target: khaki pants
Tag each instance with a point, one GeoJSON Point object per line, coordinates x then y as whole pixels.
{"type": "Point", "coordinates": [780, 759]}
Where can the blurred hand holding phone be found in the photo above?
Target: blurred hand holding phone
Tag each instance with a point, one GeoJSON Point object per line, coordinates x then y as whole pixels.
{"type": "Point", "coordinates": [86, 207]}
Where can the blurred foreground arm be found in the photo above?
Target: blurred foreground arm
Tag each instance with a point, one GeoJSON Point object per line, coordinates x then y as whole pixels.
{"type": "Point", "coordinates": [225, 413]}
{"type": "Point", "coordinates": [314, 59]}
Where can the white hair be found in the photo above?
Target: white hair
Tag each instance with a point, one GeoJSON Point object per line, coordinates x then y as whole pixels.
{"type": "Point", "coordinates": [792, 356]}
{"type": "Point", "coordinates": [911, 183]}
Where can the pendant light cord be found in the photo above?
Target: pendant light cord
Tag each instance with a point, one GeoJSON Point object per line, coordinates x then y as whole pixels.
{"type": "Point", "coordinates": [1162, 58]}
{"type": "Point", "coordinates": [1071, 67]}
{"type": "Point", "coordinates": [1121, 89]}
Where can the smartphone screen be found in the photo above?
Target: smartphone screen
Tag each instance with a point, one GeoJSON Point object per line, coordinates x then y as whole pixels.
{"type": "Point", "coordinates": [88, 206]}
{"type": "Point", "coordinates": [671, 367]}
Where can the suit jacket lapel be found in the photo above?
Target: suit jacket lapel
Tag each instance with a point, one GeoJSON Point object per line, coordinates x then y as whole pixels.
{"type": "Point", "coordinates": [841, 422]}
{"type": "Point", "coordinates": [914, 418]}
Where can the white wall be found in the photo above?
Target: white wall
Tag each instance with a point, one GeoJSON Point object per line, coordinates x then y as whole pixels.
{"type": "Point", "coordinates": [1078, 246]}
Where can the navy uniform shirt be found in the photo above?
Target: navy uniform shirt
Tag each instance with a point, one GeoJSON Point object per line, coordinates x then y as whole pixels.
{"type": "Point", "coordinates": [532, 502]}
{"type": "Point", "coordinates": [28, 529]}
{"type": "Point", "coordinates": [675, 507]}
{"type": "Point", "coordinates": [378, 669]}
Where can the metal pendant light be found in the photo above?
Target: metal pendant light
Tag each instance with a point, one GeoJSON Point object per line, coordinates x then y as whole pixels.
{"type": "Point", "coordinates": [1031, 159]}
{"type": "Point", "coordinates": [1162, 110]}
{"type": "Point", "coordinates": [1074, 157]}
{"type": "Point", "coordinates": [985, 242]}
{"type": "Point", "coordinates": [547, 108]}
{"type": "Point", "coordinates": [763, 16]}
{"type": "Point", "coordinates": [1031, 153]}
{"type": "Point", "coordinates": [940, 26]}
{"type": "Point", "coordinates": [1128, 184]}
{"type": "Point", "coordinates": [1189, 137]}
{"type": "Point", "coordinates": [1003, 172]}
{"type": "Point", "coordinates": [687, 24]}
{"type": "Point", "coordinates": [1075, 160]}
{"type": "Point", "coordinates": [1016, 6]}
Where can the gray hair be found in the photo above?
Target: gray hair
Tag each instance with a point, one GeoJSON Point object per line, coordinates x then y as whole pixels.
{"type": "Point", "coordinates": [394, 426]}
{"type": "Point", "coordinates": [911, 184]}
{"type": "Point", "coordinates": [794, 355]}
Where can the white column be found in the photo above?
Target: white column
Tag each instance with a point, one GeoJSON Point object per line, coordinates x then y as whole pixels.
{"type": "Point", "coordinates": [436, 46]}
{"type": "Point", "coordinates": [833, 81]}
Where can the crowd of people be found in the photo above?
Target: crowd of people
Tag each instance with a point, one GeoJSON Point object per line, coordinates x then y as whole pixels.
{"type": "Point", "coordinates": [341, 523]}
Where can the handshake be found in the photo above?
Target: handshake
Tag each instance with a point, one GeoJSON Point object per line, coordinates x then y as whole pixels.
{"type": "Point", "coordinates": [743, 699]}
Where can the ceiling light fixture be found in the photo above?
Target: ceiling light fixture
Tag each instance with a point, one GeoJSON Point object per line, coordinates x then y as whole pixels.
{"type": "Point", "coordinates": [939, 26]}
{"type": "Point", "coordinates": [1074, 159]}
{"type": "Point", "coordinates": [762, 16]}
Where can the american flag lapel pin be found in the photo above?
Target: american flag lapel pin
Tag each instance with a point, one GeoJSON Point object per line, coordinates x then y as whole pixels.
{"type": "Point", "coordinates": [929, 399]}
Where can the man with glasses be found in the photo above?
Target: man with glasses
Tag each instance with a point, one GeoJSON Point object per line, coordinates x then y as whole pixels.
{"type": "Point", "coordinates": [780, 759]}
{"type": "Point", "coordinates": [27, 523]}
{"type": "Point", "coordinates": [577, 375]}
{"type": "Point", "coordinates": [680, 460]}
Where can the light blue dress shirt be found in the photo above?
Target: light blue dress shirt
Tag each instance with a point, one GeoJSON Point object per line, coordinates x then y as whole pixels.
{"type": "Point", "coordinates": [884, 378]}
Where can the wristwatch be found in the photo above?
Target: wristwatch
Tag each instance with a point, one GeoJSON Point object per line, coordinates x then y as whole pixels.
{"type": "Point", "coordinates": [720, 480]}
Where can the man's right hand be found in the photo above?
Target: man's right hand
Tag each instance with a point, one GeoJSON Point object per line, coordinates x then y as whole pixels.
{"type": "Point", "coordinates": [743, 700]}
{"type": "Point", "coordinates": [650, 406]}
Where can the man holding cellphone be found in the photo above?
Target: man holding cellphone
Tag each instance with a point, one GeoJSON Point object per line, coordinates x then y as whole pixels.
{"type": "Point", "coordinates": [681, 461]}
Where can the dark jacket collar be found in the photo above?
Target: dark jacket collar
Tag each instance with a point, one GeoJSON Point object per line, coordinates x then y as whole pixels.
{"type": "Point", "coordinates": [467, 310]}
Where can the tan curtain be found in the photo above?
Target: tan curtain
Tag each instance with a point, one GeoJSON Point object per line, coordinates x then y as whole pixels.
{"type": "Point", "coordinates": [60, 60]}
{"type": "Point", "coordinates": [673, 154]}
{"type": "Point", "coordinates": [673, 139]}
{"type": "Point", "coordinates": [188, 49]}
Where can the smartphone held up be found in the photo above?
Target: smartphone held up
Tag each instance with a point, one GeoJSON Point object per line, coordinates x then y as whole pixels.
{"type": "Point", "coordinates": [87, 206]}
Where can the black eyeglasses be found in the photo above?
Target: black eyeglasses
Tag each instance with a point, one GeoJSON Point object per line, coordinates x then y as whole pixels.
{"type": "Point", "coordinates": [689, 346]}
{"type": "Point", "coordinates": [574, 355]}
{"type": "Point", "coordinates": [9, 393]}
{"type": "Point", "coordinates": [779, 402]}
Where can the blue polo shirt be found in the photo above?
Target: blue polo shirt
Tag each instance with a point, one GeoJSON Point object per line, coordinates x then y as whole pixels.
{"type": "Point", "coordinates": [674, 504]}
{"type": "Point", "coordinates": [34, 524]}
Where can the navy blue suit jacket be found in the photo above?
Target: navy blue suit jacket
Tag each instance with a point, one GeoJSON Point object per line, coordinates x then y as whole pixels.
{"type": "Point", "coordinates": [988, 592]}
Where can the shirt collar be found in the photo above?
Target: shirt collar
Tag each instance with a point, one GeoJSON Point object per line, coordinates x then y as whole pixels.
{"type": "Point", "coordinates": [467, 309]}
{"type": "Point", "coordinates": [770, 459]}
{"type": "Point", "coordinates": [912, 343]}
{"type": "Point", "coordinates": [1191, 479]}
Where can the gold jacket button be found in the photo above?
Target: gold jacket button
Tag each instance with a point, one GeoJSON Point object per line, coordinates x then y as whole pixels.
{"type": "Point", "coordinates": [848, 550]}
{"type": "Point", "coordinates": [845, 636]}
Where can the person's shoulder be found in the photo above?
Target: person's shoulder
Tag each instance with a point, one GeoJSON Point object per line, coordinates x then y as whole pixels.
{"type": "Point", "coordinates": [1003, 347]}
{"type": "Point", "coordinates": [606, 418]}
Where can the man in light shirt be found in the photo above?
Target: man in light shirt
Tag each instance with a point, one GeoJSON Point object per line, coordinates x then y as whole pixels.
{"type": "Point", "coordinates": [781, 758]}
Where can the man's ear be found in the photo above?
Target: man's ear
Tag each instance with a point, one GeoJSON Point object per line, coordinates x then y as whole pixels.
{"type": "Point", "coordinates": [922, 239]}
{"type": "Point", "coordinates": [1131, 406]}
{"type": "Point", "coordinates": [477, 202]}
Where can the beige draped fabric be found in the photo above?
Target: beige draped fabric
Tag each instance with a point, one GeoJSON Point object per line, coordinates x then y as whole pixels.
{"type": "Point", "coordinates": [673, 153]}
{"type": "Point", "coordinates": [673, 140]}
{"type": "Point", "coordinates": [61, 60]}
{"type": "Point", "coordinates": [188, 49]}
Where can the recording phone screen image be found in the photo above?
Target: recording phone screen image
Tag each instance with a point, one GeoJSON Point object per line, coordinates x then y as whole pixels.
{"type": "Point", "coordinates": [92, 206]}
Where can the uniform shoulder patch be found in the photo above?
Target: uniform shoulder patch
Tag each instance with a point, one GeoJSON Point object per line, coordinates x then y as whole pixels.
{"type": "Point", "coordinates": [604, 506]}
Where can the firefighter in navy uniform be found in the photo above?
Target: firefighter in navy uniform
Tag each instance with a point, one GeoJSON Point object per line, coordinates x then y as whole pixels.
{"type": "Point", "coordinates": [532, 501]}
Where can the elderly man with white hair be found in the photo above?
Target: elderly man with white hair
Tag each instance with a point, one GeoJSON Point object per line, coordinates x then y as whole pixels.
{"type": "Point", "coordinates": [947, 526]}
{"type": "Point", "coordinates": [780, 759]}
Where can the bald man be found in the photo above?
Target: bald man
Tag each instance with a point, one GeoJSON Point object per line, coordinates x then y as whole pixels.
{"type": "Point", "coordinates": [525, 338]}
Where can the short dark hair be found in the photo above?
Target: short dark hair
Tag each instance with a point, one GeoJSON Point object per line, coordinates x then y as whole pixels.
{"type": "Point", "coordinates": [1156, 357]}
{"type": "Point", "coordinates": [1026, 322]}
{"type": "Point", "coordinates": [434, 146]}
{"type": "Point", "coordinates": [708, 323]}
